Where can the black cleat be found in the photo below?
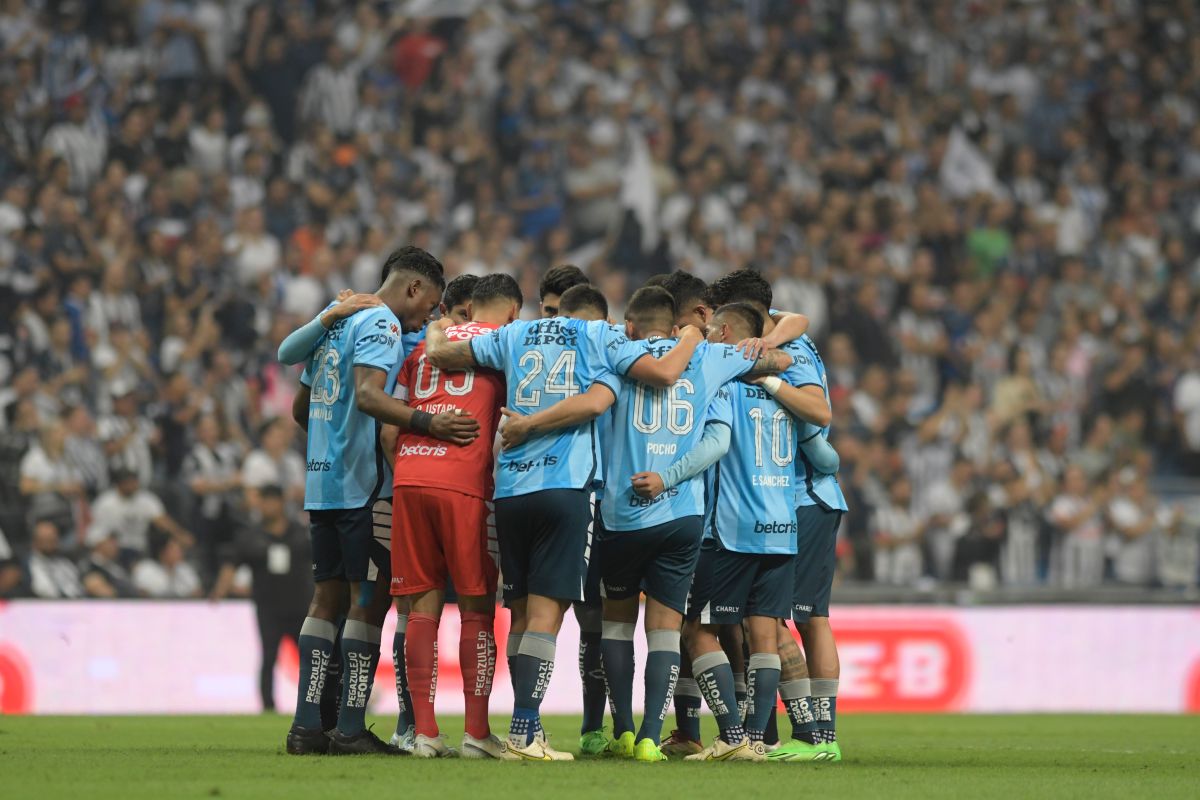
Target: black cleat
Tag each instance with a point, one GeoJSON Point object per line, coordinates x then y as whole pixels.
{"type": "Point", "coordinates": [307, 742]}
{"type": "Point", "coordinates": [364, 742]}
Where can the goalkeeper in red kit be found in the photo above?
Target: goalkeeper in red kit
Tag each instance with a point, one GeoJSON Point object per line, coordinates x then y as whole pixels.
{"type": "Point", "coordinates": [440, 530]}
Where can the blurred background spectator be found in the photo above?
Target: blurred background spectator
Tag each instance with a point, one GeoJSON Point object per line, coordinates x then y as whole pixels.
{"type": "Point", "coordinates": [990, 212]}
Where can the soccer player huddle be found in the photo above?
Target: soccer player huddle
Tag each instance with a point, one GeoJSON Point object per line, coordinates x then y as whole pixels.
{"type": "Point", "coordinates": [680, 457]}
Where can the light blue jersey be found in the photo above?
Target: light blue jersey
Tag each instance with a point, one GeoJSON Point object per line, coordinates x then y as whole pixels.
{"type": "Point", "coordinates": [652, 428]}
{"type": "Point", "coordinates": [753, 491]}
{"type": "Point", "coordinates": [545, 361]}
{"type": "Point", "coordinates": [347, 467]}
{"type": "Point", "coordinates": [812, 487]}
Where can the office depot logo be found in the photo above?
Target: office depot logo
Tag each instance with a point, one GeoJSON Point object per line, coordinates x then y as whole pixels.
{"type": "Point", "coordinates": [917, 665]}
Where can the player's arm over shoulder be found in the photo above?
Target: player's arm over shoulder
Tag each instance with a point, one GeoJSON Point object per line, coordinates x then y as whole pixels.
{"type": "Point", "coordinates": [460, 354]}
{"type": "Point", "coordinates": [666, 369]}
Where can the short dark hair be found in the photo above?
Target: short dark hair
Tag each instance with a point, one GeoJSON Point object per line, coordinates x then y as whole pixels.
{"type": "Point", "coordinates": [658, 279]}
{"type": "Point", "coordinates": [686, 288]}
{"type": "Point", "coordinates": [582, 296]}
{"type": "Point", "coordinates": [651, 307]}
{"type": "Point", "coordinates": [741, 286]}
{"type": "Point", "coordinates": [495, 287]}
{"type": "Point", "coordinates": [558, 279]}
{"type": "Point", "coordinates": [417, 261]}
{"type": "Point", "coordinates": [746, 314]}
{"type": "Point", "coordinates": [459, 290]}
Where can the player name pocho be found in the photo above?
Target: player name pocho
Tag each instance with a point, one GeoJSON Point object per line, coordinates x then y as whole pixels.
{"type": "Point", "coordinates": [550, 331]}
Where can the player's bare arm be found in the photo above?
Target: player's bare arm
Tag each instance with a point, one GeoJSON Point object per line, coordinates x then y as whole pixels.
{"type": "Point", "coordinates": [299, 343]}
{"type": "Point", "coordinates": [567, 413]}
{"type": "Point", "coordinates": [664, 371]}
{"type": "Point", "coordinates": [771, 362]}
{"type": "Point", "coordinates": [371, 399]}
{"type": "Point", "coordinates": [806, 402]}
{"type": "Point", "coordinates": [300, 405]}
{"type": "Point", "coordinates": [443, 353]}
{"type": "Point", "coordinates": [788, 326]}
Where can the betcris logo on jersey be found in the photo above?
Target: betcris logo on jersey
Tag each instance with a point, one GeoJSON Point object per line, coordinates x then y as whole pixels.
{"type": "Point", "coordinates": [421, 450]}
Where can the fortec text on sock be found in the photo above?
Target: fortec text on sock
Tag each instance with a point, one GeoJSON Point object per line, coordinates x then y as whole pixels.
{"type": "Point", "coordinates": [316, 679]}
{"type": "Point", "coordinates": [356, 676]}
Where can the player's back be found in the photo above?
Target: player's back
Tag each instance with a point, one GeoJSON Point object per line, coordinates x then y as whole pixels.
{"type": "Point", "coordinates": [428, 462]}
{"type": "Point", "coordinates": [545, 361]}
{"type": "Point", "coordinates": [346, 467]}
{"type": "Point", "coordinates": [812, 487]}
{"type": "Point", "coordinates": [653, 428]}
{"type": "Point", "coordinates": [753, 492]}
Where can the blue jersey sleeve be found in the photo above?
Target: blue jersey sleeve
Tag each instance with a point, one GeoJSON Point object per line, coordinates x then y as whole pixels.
{"type": "Point", "coordinates": [608, 379]}
{"type": "Point", "coordinates": [376, 340]}
{"type": "Point", "coordinates": [489, 350]}
{"type": "Point", "coordinates": [720, 410]}
{"type": "Point", "coordinates": [803, 371]}
{"type": "Point", "coordinates": [723, 363]}
{"type": "Point", "coordinates": [614, 347]}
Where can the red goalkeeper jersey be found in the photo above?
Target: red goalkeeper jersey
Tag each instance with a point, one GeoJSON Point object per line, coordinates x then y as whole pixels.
{"type": "Point", "coordinates": [432, 463]}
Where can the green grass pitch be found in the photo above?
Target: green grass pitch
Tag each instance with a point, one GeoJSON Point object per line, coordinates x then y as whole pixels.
{"type": "Point", "coordinates": [891, 757]}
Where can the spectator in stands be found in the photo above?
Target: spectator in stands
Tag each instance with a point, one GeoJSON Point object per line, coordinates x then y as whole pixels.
{"type": "Point", "coordinates": [50, 482]}
{"type": "Point", "coordinates": [11, 576]}
{"type": "Point", "coordinates": [898, 537]}
{"type": "Point", "coordinates": [103, 574]}
{"type": "Point", "coordinates": [52, 575]}
{"type": "Point", "coordinates": [131, 512]}
{"type": "Point", "coordinates": [1078, 556]}
{"type": "Point", "coordinates": [165, 574]}
{"type": "Point", "coordinates": [213, 475]}
{"type": "Point", "coordinates": [275, 464]}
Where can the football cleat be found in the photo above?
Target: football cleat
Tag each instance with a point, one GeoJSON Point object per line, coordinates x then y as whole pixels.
{"type": "Point", "coordinates": [622, 746]}
{"type": "Point", "coordinates": [306, 742]}
{"type": "Point", "coordinates": [432, 747]}
{"type": "Point", "coordinates": [593, 743]}
{"type": "Point", "coordinates": [796, 750]}
{"type": "Point", "coordinates": [646, 750]}
{"type": "Point", "coordinates": [537, 750]}
{"type": "Point", "coordinates": [833, 751]}
{"type": "Point", "coordinates": [680, 744]}
{"type": "Point", "coordinates": [720, 750]}
{"type": "Point", "coordinates": [491, 747]}
{"type": "Point", "coordinates": [405, 741]}
{"type": "Point", "coordinates": [365, 742]}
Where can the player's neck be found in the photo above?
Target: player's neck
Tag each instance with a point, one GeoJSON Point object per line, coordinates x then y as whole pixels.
{"type": "Point", "coordinates": [392, 296]}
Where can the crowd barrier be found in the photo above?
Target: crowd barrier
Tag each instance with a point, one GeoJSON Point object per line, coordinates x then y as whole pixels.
{"type": "Point", "coordinates": [142, 657]}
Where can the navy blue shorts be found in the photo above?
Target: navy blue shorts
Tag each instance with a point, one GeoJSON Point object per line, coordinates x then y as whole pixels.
{"type": "Point", "coordinates": [591, 581]}
{"type": "Point", "coordinates": [351, 544]}
{"type": "Point", "coordinates": [659, 561]}
{"type": "Point", "coordinates": [816, 561]}
{"type": "Point", "coordinates": [731, 586]}
{"type": "Point", "coordinates": [543, 543]}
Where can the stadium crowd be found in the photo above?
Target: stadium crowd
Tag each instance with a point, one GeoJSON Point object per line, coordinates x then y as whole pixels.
{"type": "Point", "coordinates": [989, 211]}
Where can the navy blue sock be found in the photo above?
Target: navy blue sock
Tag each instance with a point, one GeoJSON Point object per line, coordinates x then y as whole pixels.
{"type": "Point", "coordinates": [405, 716]}
{"type": "Point", "coordinates": [687, 708]}
{"type": "Point", "coordinates": [616, 645]}
{"type": "Point", "coordinates": [331, 694]}
{"type": "Point", "coordinates": [798, 701]}
{"type": "Point", "coordinates": [510, 655]}
{"type": "Point", "coordinates": [591, 673]}
{"type": "Point", "coordinates": [741, 693]}
{"type": "Point", "coordinates": [662, 673]}
{"type": "Point", "coordinates": [762, 686]}
{"type": "Point", "coordinates": [534, 666]}
{"type": "Point", "coordinates": [360, 646]}
{"type": "Point", "coordinates": [316, 651]}
{"type": "Point", "coordinates": [715, 677]}
{"type": "Point", "coordinates": [824, 701]}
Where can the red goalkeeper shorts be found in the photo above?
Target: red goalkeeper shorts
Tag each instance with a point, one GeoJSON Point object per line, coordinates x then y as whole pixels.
{"type": "Point", "coordinates": [439, 534]}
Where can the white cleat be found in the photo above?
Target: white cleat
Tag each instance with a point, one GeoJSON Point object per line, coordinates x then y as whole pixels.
{"type": "Point", "coordinates": [720, 750]}
{"type": "Point", "coordinates": [491, 747]}
{"type": "Point", "coordinates": [405, 741]}
{"type": "Point", "coordinates": [432, 747]}
{"type": "Point", "coordinates": [537, 750]}
{"type": "Point", "coordinates": [771, 748]}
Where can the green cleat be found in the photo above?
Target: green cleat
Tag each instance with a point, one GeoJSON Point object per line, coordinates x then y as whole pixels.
{"type": "Point", "coordinates": [833, 751]}
{"type": "Point", "coordinates": [622, 746]}
{"type": "Point", "coordinates": [593, 743]}
{"type": "Point", "coordinates": [647, 750]}
{"type": "Point", "coordinates": [796, 750]}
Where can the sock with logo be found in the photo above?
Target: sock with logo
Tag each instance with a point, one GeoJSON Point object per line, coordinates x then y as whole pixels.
{"type": "Point", "coordinates": [591, 673]}
{"type": "Point", "coordinates": [421, 659]}
{"type": "Point", "coordinates": [740, 693]}
{"type": "Point", "coordinates": [715, 678]}
{"type": "Point", "coordinates": [360, 642]}
{"type": "Point", "coordinates": [535, 664]}
{"type": "Point", "coordinates": [616, 643]}
{"type": "Point", "coordinates": [662, 672]}
{"type": "Point", "coordinates": [771, 734]}
{"type": "Point", "coordinates": [477, 655]}
{"type": "Point", "coordinates": [824, 704]}
{"type": "Point", "coordinates": [405, 717]}
{"type": "Point", "coordinates": [331, 693]}
{"type": "Point", "coordinates": [687, 708]}
{"type": "Point", "coordinates": [797, 698]}
{"type": "Point", "coordinates": [316, 650]}
{"type": "Point", "coordinates": [762, 686]}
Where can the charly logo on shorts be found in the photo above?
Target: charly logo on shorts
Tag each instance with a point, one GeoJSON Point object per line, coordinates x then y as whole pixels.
{"type": "Point", "coordinates": [727, 609]}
